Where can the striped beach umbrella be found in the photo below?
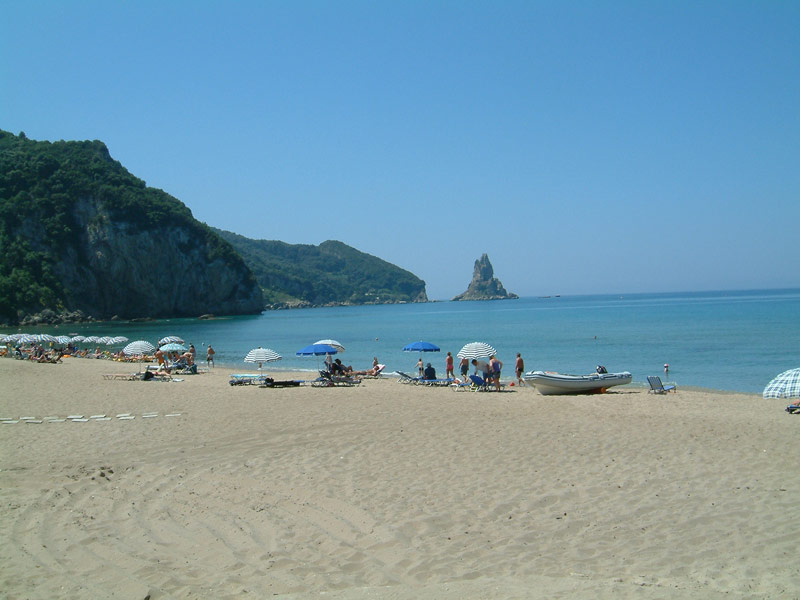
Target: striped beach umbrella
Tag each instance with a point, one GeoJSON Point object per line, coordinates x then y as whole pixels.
{"type": "Point", "coordinates": [119, 339]}
{"type": "Point", "coordinates": [138, 347]}
{"type": "Point", "coordinates": [475, 350]}
{"type": "Point", "coordinates": [260, 356]}
{"type": "Point", "coordinates": [63, 339]}
{"type": "Point", "coordinates": [785, 385]}
{"type": "Point", "coordinates": [170, 339]}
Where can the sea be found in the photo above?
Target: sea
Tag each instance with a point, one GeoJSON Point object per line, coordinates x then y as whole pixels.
{"type": "Point", "coordinates": [727, 340]}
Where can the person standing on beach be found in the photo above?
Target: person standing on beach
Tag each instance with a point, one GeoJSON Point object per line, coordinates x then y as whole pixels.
{"type": "Point", "coordinates": [519, 369]}
{"type": "Point", "coordinates": [210, 356]}
{"type": "Point", "coordinates": [495, 366]}
{"type": "Point", "coordinates": [420, 367]}
{"type": "Point", "coordinates": [448, 367]}
{"type": "Point", "coordinates": [464, 367]}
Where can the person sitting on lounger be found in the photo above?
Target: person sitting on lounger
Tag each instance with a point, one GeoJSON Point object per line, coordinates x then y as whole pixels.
{"type": "Point", "coordinates": [429, 373]}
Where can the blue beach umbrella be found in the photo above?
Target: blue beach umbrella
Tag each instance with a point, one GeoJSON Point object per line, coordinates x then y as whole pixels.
{"type": "Point", "coordinates": [421, 347]}
{"type": "Point", "coordinates": [316, 350]}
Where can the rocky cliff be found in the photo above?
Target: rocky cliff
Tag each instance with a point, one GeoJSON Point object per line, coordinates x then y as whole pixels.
{"type": "Point", "coordinates": [484, 285]}
{"type": "Point", "coordinates": [82, 236]}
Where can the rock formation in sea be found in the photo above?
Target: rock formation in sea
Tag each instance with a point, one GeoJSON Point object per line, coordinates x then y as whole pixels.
{"type": "Point", "coordinates": [484, 285]}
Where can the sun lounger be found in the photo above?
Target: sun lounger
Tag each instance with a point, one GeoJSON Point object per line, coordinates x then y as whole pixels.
{"type": "Point", "coordinates": [406, 378]}
{"type": "Point", "coordinates": [325, 379]}
{"type": "Point", "coordinates": [246, 379]}
{"type": "Point", "coordinates": [125, 376]}
{"type": "Point", "coordinates": [271, 383]}
{"type": "Point", "coordinates": [436, 382]}
{"type": "Point", "coordinates": [377, 373]}
{"type": "Point", "coordinates": [657, 387]}
{"type": "Point", "coordinates": [459, 385]}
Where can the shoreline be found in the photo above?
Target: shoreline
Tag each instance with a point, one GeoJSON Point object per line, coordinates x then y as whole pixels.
{"type": "Point", "coordinates": [389, 491]}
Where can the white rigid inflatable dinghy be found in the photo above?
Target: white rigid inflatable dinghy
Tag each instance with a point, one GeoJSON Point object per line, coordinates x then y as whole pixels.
{"type": "Point", "coordinates": [550, 383]}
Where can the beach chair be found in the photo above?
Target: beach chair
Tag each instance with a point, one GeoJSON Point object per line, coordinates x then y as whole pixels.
{"type": "Point", "coordinates": [325, 379]}
{"type": "Point", "coordinates": [436, 382]}
{"type": "Point", "coordinates": [459, 385]}
{"type": "Point", "coordinates": [479, 384]}
{"type": "Point", "coordinates": [377, 374]}
{"type": "Point", "coordinates": [657, 387]}
{"type": "Point", "coordinates": [269, 382]}
{"type": "Point", "coordinates": [246, 379]}
{"type": "Point", "coordinates": [406, 378]}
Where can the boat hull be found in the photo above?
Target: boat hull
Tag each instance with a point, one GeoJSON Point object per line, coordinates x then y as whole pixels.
{"type": "Point", "coordinates": [552, 384]}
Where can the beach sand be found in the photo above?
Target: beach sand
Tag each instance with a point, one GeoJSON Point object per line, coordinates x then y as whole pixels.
{"type": "Point", "coordinates": [389, 491]}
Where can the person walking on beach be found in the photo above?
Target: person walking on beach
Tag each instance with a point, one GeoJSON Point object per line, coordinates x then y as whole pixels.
{"type": "Point", "coordinates": [464, 367]}
{"type": "Point", "coordinates": [519, 369]}
{"type": "Point", "coordinates": [210, 356]}
{"type": "Point", "coordinates": [448, 367]}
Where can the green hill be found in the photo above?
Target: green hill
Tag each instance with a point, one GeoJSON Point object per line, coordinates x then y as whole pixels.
{"type": "Point", "coordinates": [80, 237]}
{"type": "Point", "coordinates": [331, 273]}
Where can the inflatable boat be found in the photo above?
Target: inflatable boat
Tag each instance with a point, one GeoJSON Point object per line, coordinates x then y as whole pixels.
{"type": "Point", "coordinates": [550, 383]}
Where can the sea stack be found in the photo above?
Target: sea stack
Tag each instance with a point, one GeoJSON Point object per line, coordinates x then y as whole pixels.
{"type": "Point", "coordinates": [484, 285]}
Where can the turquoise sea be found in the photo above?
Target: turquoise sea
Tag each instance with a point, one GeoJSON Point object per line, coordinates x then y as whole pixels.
{"type": "Point", "coordinates": [732, 340]}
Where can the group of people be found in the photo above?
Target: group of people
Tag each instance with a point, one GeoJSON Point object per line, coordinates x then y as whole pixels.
{"type": "Point", "coordinates": [337, 369]}
{"type": "Point", "coordinates": [489, 371]}
{"type": "Point", "coordinates": [187, 362]}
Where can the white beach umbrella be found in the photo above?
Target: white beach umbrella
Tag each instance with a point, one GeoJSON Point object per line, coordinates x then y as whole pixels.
{"type": "Point", "coordinates": [260, 356]}
{"type": "Point", "coordinates": [63, 339]}
{"type": "Point", "coordinates": [475, 350]}
{"type": "Point", "coordinates": [333, 343]}
{"type": "Point", "coordinates": [170, 339]}
{"type": "Point", "coordinates": [785, 385]}
{"type": "Point", "coordinates": [119, 339]}
{"type": "Point", "coordinates": [138, 348]}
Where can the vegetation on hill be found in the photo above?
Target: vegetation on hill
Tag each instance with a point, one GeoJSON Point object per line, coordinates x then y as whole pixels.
{"type": "Point", "coordinates": [331, 273]}
{"type": "Point", "coordinates": [58, 200]}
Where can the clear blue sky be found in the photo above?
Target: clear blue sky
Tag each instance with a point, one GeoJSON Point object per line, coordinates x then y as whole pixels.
{"type": "Point", "coordinates": [587, 147]}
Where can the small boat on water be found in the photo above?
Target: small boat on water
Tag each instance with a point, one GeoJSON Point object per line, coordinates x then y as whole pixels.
{"type": "Point", "coordinates": [550, 383]}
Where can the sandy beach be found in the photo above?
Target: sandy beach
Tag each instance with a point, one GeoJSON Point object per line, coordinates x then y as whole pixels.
{"type": "Point", "coordinates": [389, 491]}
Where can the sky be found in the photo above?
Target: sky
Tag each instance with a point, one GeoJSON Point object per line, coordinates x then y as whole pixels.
{"type": "Point", "coordinates": [586, 147]}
